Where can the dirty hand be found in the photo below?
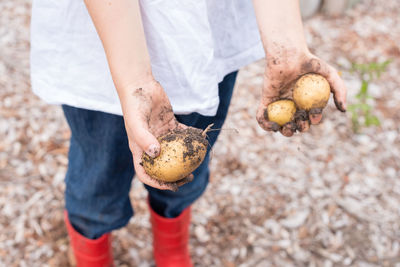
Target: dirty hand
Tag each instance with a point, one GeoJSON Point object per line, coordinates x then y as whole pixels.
{"type": "Point", "coordinates": [283, 68]}
{"type": "Point", "coordinates": [148, 114]}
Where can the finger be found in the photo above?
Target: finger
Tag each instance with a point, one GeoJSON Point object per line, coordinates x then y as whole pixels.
{"type": "Point", "coordinates": [338, 88]}
{"type": "Point", "coordinates": [170, 126]}
{"type": "Point", "coordinates": [174, 186]}
{"type": "Point", "coordinates": [146, 179]}
{"type": "Point", "coordinates": [303, 126]}
{"type": "Point", "coordinates": [144, 139]}
{"type": "Point", "coordinates": [315, 118]}
{"type": "Point", "coordinates": [269, 126]}
{"type": "Point", "coordinates": [185, 180]}
{"type": "Point", "coordinates": [262, 119]}
{"type": "Point", "coordinates": [182, 126]}
{"type": "Point", "coordinates": [302, 120]}
{"type": "Point", "coordinates": [286, 132]}
{"type": "Point", "coordinates": [315, 115]}
{"type": "Point", "coordinates": [143, 176]}
{"type": "Point", "coordinates": [289, 129]}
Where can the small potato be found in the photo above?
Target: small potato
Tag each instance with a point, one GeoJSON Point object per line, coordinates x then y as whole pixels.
{"type": "Point", "coordinates": [311, 91]}
{"type": "Point", "coordinates": [281, 111]}
{"type": "Point", "coordinates": [182, 151]}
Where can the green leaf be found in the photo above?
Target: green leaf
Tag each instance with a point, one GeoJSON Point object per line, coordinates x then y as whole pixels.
{"type": "Point", "coordinates": [364, 88]}
{"type": "Point", "coordinates": [365, 107]}
{"type": "Point", "coordinates": [372, 120]}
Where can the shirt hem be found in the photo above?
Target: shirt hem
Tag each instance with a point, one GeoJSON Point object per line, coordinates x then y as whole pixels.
{"type": "Point", "coordinates": [113, 108]}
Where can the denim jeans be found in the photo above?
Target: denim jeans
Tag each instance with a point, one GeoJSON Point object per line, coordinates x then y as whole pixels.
{"type": "Point", "coordinates": [100, 168]}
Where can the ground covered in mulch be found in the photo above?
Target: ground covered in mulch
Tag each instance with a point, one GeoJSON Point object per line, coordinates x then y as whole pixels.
{"type": "Point", "coordinates": [325, 198]}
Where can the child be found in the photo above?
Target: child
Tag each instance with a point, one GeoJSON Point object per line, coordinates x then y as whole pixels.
{"type": "Point", "coordinates": [162, 64]}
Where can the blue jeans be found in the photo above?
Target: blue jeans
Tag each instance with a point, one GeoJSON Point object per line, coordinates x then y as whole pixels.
{"type": "Point", "coordinates": [100, 168]}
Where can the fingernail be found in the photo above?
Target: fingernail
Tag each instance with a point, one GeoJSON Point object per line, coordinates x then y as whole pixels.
{"type": "Point", "coordinates": [190, 178]}
{"type": "Point", "coordinates": [174, 187]}
{"type": "Point", "coordinates": [287, 132]}
{"type": "Point", "coordinates": [275, 127]}
{"type": "Point", "coordinates": [293, 126]}
{"type": "Point", "coordinates": [340, 106]}
{"type": "Point", "coordinates": [153, 150]}
{"type": "Point", "coordinates": [300, 115]}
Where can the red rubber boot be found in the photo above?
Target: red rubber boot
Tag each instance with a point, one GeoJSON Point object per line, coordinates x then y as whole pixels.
{"type": "Point", "coordinates": [170, 239]}
{"type": "Point", "coordinates": [90, 252]}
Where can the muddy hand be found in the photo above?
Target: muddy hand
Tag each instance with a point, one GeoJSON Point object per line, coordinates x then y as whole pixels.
{"type": "Point", "coordinates": [147, 115]}
{"type": "Point", "coordinates": [282, 71]}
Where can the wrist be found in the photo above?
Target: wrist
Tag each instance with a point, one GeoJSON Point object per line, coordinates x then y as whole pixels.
{"type": "Point", "coordinates": [136, 80]}
{"type": "Point", "coordinates": [286, 48]}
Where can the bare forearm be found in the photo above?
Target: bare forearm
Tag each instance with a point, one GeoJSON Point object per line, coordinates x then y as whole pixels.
{"type": "Point", "coordinates": [120, 28]}
{"type": "Point", "coordinates": [280, 24]}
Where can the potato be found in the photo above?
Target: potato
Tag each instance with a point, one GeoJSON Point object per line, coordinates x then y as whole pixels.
{"type": "Point", "coordinates": [182, 151]}
{"type": "Point", "coordinates": [311, 91]}
{"type": "Point", "coordinates": [281, 111]}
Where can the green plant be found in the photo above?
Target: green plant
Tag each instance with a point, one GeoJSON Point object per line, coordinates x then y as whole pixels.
{"type": "Point", "coordinates": [362, 111]}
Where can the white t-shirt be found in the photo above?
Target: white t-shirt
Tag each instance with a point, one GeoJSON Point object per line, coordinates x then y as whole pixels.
{"type": "Point", "coordinates": [193, 44]}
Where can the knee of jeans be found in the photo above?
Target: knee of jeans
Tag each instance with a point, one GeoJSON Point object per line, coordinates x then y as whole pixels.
{"type": "Point", "coordinates": [94, 218]}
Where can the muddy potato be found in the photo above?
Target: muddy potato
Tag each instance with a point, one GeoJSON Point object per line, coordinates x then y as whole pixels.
{"type": "Point", "coordinates": [311, 91]}
{"type": "Point", "coordinates": [182, 151]}
{"type": "Point", "coordinates": [281, 111]}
